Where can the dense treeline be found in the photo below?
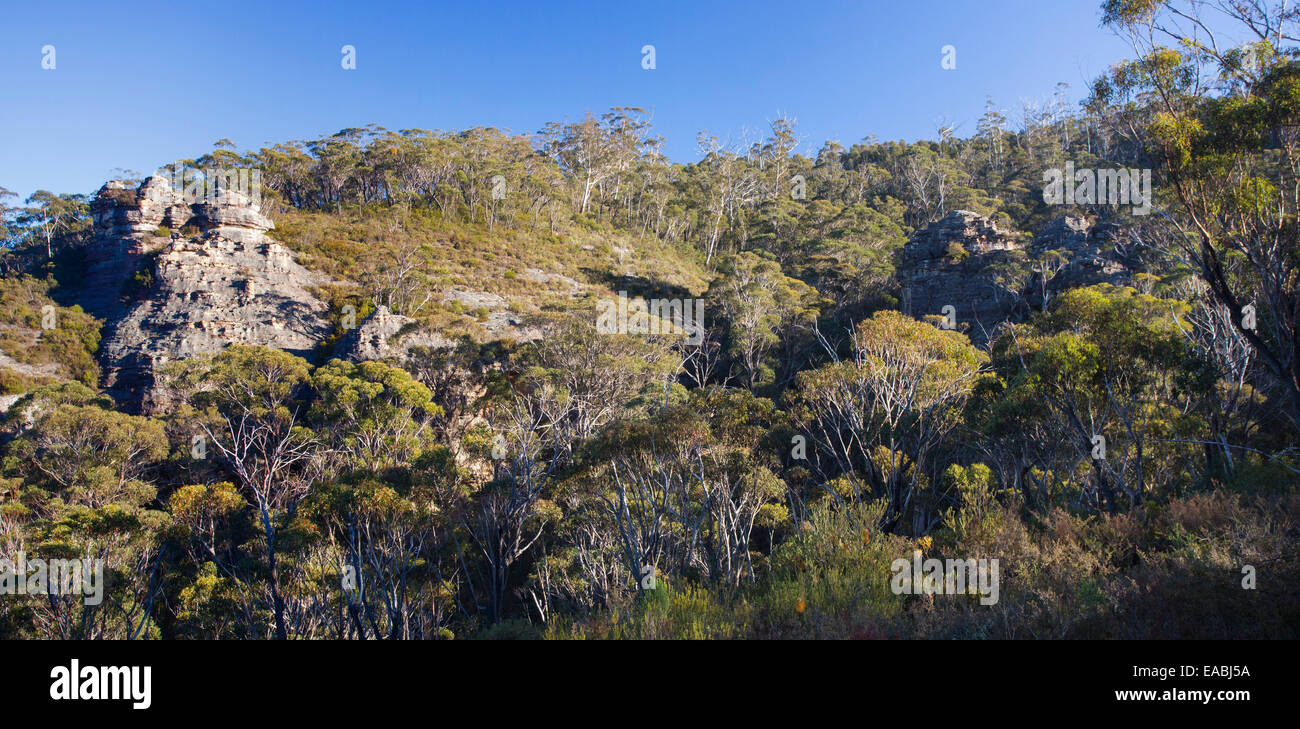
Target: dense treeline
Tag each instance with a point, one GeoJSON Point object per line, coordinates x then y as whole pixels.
{"type": "Point", "coordinates": [759, 484]}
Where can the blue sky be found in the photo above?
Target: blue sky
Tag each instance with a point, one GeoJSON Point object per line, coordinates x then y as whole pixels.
{"type": "Point", "coordinates": [137, 85]}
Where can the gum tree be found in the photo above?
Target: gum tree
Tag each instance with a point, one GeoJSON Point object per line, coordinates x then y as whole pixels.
{"type": "Point", "coordinates": [875, 415]}
{"type": "Point", "coordinates": [1213, 102]}
{"type": "Point", "coordinates": [248, 401]}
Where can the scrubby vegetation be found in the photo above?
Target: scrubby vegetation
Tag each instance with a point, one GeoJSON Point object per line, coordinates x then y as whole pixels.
{"type": "Point", "coordinates": [40, 341]}
{"type": "Point", "coordinates": [1127, 454]}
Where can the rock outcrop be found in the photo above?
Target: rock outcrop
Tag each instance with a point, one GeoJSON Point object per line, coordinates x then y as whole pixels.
{"type": "Point", "coordinates": [385, 335]}
{"type": "Point", "coordinates": [496, 319]}
{"type": "Point", "coordinates": [962, 261]}
{"type": "Point", "coordinates": [216, 280]}
{"type": "Point", "coordinates": [126, 222]}
{"type": "Point", "coordinates": [1089, 254]}
{"type": "Point", "coordinates": [989, 275]}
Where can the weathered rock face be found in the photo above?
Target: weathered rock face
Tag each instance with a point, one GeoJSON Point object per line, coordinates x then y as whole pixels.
{"type": "Point", "coordinates": [962, 261]}
{"type": "Point", "coordinates": [225, 283]}
{"type": "Point", "coordinates": [1093, 253]}
{"type": "Point", "coordinates": [989, 276]}
{"type": "Point", "coordinates": [126, 220]}
{"type": "Point", "coordinates": [384, 335]}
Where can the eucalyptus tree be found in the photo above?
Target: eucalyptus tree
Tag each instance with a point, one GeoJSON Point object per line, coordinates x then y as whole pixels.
{"type": "Point", "coordinates": [1218, 119]}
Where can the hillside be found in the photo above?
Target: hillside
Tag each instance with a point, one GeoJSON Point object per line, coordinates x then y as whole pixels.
{"type": "Point", "coordinates": [476, 384]}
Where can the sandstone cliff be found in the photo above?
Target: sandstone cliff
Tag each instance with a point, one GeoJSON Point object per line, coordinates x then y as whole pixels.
{"type": "Point", "coordinates": [964, 261]}
{"type": "Point", "coordinates": [1090, 253]}
{"type": "Point", "coordinates": [215, 280]}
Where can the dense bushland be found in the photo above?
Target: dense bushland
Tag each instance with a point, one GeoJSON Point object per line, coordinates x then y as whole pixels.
{"type": "Point", "coordinates": [758, 485]}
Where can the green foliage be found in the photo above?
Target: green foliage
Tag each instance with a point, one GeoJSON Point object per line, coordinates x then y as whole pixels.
{"type": "Point", "coordinates": [759, 306]}
{"type": "Point", "coordinates": [55, 341]}
{"type": "Point", "coordinates": [379, 411]}
{"type": "Point", "coordinates": [1122, 453]}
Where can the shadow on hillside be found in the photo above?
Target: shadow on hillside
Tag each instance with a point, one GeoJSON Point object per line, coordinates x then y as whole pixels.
{"type": "Point", "coordinates": [636, 285]}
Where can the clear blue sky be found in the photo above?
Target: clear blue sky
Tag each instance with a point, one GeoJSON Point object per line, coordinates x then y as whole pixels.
{"type": "Point", "coordinates": [138, 85]}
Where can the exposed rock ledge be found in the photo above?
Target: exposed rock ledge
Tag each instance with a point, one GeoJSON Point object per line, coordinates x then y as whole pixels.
{"type": "Point", "coordinates": [966, 261]}
{"type": "Point", "coordinates": [382, 336]}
